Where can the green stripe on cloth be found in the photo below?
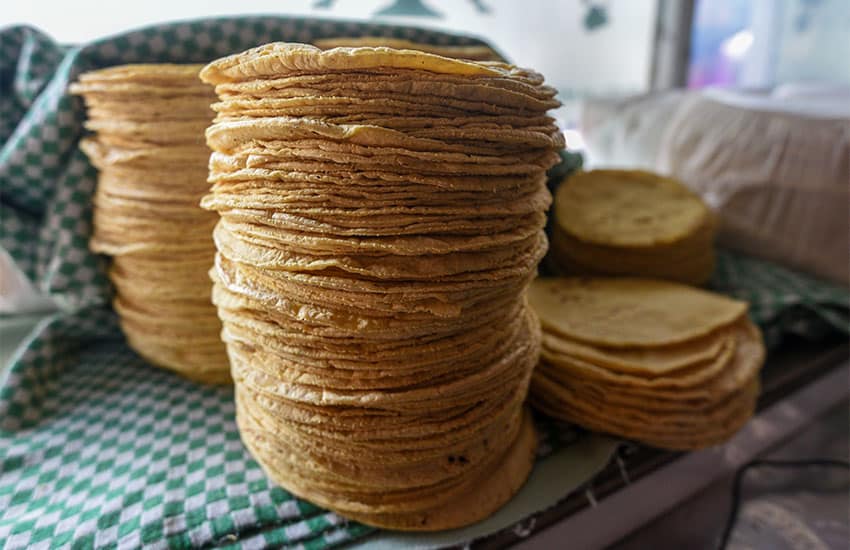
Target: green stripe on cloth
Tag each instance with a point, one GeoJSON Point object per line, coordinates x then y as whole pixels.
{"type": "Point", "coordinates": [783, 301]}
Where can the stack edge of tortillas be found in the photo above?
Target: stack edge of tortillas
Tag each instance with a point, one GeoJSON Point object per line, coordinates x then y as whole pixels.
{"type": "Point", "coordinates": [381, 218]}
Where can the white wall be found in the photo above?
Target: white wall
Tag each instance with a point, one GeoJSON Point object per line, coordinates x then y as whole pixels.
{"type": "Point", "coordinates": [544, 34]}
{"type": "Point", "coordinates": [822, 51]}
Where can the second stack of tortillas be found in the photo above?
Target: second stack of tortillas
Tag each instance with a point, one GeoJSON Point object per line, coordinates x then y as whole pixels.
{"type": "Point", "coordinates": [149, 149]}
{"type": "Point", "coordinates": [654, 361]}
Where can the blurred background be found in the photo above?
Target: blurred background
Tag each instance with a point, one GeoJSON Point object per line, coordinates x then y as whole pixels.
{"type": "Point", "coordinates": [586, 48]}
{"type": "Point", "coordinates": [745, 101]}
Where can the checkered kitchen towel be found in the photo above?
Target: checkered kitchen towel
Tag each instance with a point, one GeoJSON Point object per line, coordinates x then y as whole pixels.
{"type": "Point", "coordinates": [97, 448]}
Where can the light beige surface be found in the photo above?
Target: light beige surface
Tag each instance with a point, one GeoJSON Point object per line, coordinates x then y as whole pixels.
{"type": "Point", "coordinates": [551, 480]}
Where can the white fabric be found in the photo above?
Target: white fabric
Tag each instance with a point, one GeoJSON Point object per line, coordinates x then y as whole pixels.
{"type": "Point", "coordinates": [17, 294]}
{"type": "Point", "coordinates": [781, 181]}
{"type": "Point", "coordinates": [626, 133]}
{"type": "Point", "coordinates": [808, 99]}
{"type": "Point", "coordinates": [775, 167]}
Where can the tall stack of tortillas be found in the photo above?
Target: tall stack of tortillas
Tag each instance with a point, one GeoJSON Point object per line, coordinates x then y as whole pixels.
{"type": "Point", "coordinates": [381, 218]}
{"type": "Point", "coordinates": [632, 223]}
{"type": "Point", "coordinates": [149, 123]}
{"type": "Point", "coordinates": [654, 361]}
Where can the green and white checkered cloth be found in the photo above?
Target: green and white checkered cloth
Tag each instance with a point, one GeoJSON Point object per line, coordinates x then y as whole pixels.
{"type": "Point", "coordinates": [99, 449]}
